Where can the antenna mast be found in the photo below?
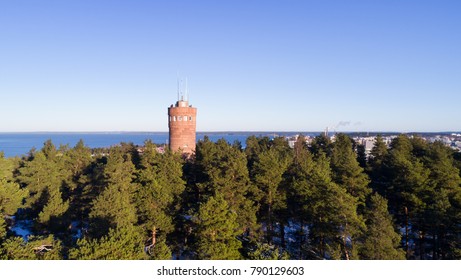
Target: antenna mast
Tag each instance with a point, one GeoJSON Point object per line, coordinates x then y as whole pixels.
{"type": "Point", "coordinates": [186, 94]}
{"type": "Point", "coordinates": [177, 80]}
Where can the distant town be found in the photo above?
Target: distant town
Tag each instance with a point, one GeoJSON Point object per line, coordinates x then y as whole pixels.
{"type": "Point", "coordinates": [450, 139]}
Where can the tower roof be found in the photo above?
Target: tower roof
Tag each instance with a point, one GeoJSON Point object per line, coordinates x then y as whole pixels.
{"type": "Point", "coordinates": [182, 103]}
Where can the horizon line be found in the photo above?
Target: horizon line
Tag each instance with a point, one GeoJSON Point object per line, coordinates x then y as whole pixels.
{"type": "Point", "coordinates": [227, 131]}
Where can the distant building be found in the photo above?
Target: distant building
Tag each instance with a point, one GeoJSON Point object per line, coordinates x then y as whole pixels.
{"type": "Point", "coordinates": [369, 143]}
{"type": "Point", "coordinates": [182, 126]}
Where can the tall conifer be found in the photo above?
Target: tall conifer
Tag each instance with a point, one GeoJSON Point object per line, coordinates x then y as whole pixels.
{"type": "Point", "coordinates": [217, 231]}
{"type": "Point", "coordinates": [381, 242]}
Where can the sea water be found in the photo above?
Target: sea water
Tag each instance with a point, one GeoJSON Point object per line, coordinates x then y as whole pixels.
{"type": "Point", "coordinates": [19, 144]}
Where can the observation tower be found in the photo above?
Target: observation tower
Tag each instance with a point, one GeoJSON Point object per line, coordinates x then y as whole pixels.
{"type": "Point", "coordinates": [182, 125]}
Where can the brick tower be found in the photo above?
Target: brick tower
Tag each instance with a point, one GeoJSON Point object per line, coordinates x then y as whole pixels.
{"type": "Point", "coordinates": [182, 126]}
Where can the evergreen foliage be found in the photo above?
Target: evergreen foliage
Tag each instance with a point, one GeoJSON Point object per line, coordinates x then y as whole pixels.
{"type": "Point", "coordinates": [123, 243]}
{"type": "Point", "coordinates": [376, 168]}
{"type": "Point", "coordinates": [115, 207]}
{"type": "Point", "coordinates": [225, 169]}
{"type": "Point", "coordinates": [158, 197]}
{"type": "Point", "coordinates": [36, 248]}
{"type": "Point", "coordinates": [335, 225]}
{"type": "Point", "coordinates": [265, 251]}
{"type": "Point", "coordinates": [347, 172]}
{"type": "Point", "coordinates": [381, 242]}
{"type": "Point", "coordinates": [217, 231]}
{"type": "Point", "coordinates": [42, 175]}
{"type": "Point", "coordinates": [269, 169]}
{"type": "Point", "coordinates": [264, 202]}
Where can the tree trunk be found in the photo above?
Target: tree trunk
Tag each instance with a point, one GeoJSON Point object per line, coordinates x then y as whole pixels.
{"type": "Point", "coordinates": [346, 252]}
{"type": "Point", "coordinates": [322, 242]}
{"type": "Point", "coordinates": [269, 223]}
{"type": "Point", "coordinates": [154, 236]}
{"type": "Point", "coordinates": [421, 245]}
{"type": "Point", "coordinates": [301, 241]}
{"type": "Point", "coordinates": [322, 246]}
{"type": "Point", "coordinates": [282, 235]}
{"type": "Point", "coordinates": [442, 244]}
{"type": "Point", "coordinates": [407, 249]}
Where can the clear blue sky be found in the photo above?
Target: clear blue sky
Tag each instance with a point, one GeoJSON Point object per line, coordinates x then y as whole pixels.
{"type": "Point", "coordinates": [94, 65]}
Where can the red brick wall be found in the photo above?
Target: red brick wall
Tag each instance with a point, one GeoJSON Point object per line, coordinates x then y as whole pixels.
{"type": "Point", "coordinates": [182, 132]}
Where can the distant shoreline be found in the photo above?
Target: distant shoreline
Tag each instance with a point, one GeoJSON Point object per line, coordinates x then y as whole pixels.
{"type": "Point", "coordinates": [20, 143]}
{"type": "Point", "coordinates": [232, 132]}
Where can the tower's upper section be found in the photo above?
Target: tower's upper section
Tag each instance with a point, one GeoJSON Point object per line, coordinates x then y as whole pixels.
{"type": "Point", "coordinates": [182, 126]}
{"type": "Point", "coordinates": [182, 103]}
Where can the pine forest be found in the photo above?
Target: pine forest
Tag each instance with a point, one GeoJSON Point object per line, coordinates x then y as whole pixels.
{"type": "Point", "coordinates": [266, 201]}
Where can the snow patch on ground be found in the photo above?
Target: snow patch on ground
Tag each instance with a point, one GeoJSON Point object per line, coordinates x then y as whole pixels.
{"type": "Point", "coordinates": [22, 228]}
{"type": "Point", "coordinates": [76, 230]}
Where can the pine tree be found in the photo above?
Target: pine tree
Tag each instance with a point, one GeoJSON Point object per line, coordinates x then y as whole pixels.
{"type": "Point", "coordinates": [253, 147]}
{"type": "Point", "coordinates": [123, 243]}
{"type": "Point", "coordinates": [321, 144]}
{"type": "Point", "coordinates": [335, 225]}
{"type": "Point", "coordinates": [36, 248]}
{"type": "Point", "coordinates": [268, 172]}
{"type": "Point", "coordinates": [115, 207]}
{"type": "Point", "coordinates": [3, 230]}
{"type": "Point", "coordinates": [442, 214]}
{"type": "Point", "coordinates": [264, 251]}
{"type": "Point", "coordinates": [161, 251]}
{"type": "Point", "coordinates": [223, 169]}
{"type": "Point", "coordinates": [409, 188]}
{"type": "Point", "coordinates": [361, 156]}
{"type": "Point", "coordinates": [299, 194]}
{"type": "Point", "coordinates": [346, 170]}
{"type": "Point", "coordinates": [376, 168]}
{"type": "Point", "coordinates": [158, 196]}
{"type": "Point", "coordinates": [301, 188]}
{"type": "Point", "coordinates": [43, 176]}
{"type": "Point", "coordinates": [217, 230]}
{"type": "Point", "coordinates": [77, 162]}
{"type": "Point", "coordinates": [381, 242]}
{"type": "Point", "coordinates": [55, 206]}
{"type": "Point", "coordinates": [6, 167]}
{"type": "Point", "coordinates": [11, 198]}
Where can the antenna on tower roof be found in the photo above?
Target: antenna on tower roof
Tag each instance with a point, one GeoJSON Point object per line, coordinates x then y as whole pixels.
{"type": "Point", "coordinates": [177, 80]}
{"type": "Point", "coordinates": [186, 94]}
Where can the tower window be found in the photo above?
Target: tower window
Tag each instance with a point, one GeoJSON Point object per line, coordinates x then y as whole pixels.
{"type": "Point", "coordinates": [174, 118]}
{"type": "Point", "coordinates": [190, 118]}
{"type": "Point", "coordinates": [185, 118]}
{"type": "Point", "coordinates": [179, 118]}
